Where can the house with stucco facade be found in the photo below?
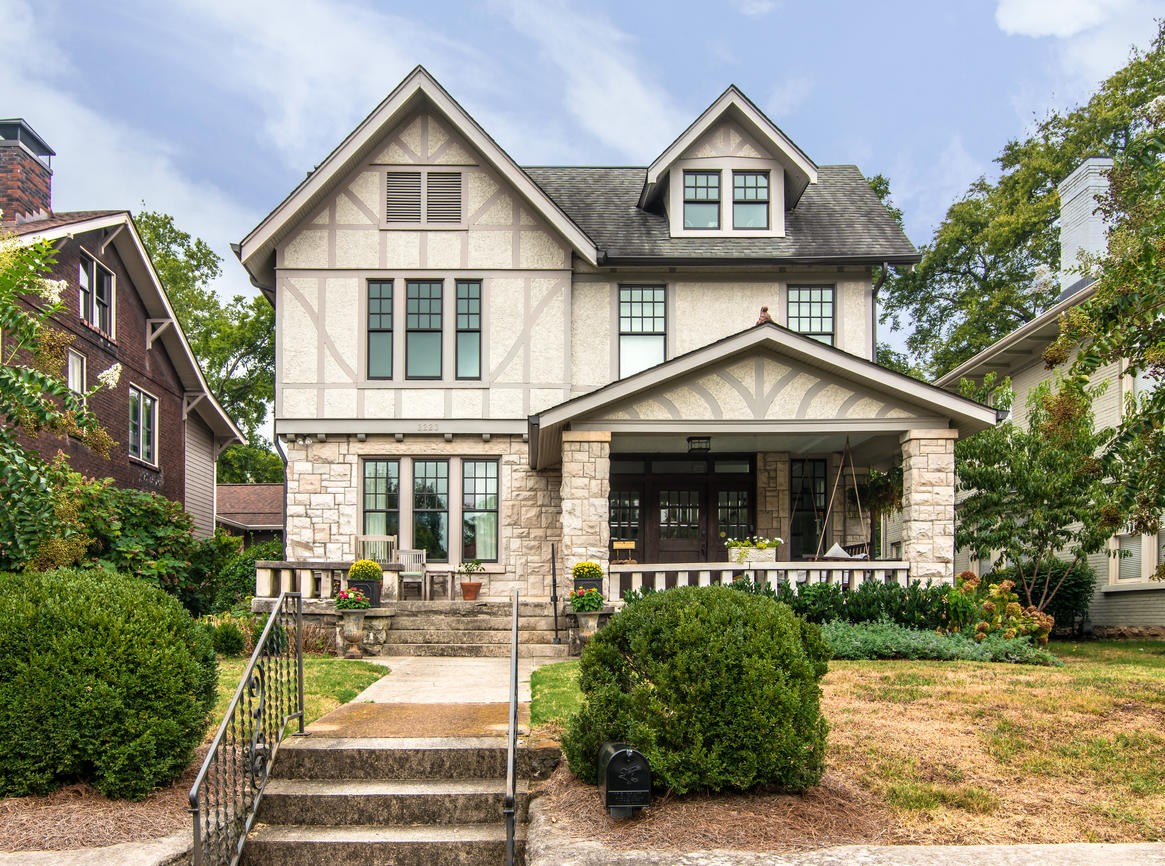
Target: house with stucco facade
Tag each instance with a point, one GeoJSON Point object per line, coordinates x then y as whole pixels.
{"type": "Point", "coordinates": [485, 360]}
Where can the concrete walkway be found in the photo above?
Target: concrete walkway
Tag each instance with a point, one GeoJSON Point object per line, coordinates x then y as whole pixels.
{"type": "Point", "coordinates": [423, 680]}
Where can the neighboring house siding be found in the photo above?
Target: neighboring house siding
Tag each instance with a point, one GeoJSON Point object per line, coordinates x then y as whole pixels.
{"type": "Point", "coordinates": [200, 474]}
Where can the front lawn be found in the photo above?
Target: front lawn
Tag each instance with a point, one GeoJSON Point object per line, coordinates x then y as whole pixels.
{"type": "Point", "coordinates": [938, 752]}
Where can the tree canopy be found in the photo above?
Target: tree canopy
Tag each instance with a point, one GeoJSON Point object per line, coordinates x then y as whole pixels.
{"type": "Point", "coordinates": [991, 264]}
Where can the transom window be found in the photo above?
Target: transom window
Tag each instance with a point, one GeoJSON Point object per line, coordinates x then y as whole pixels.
{"type": "Point", "coordinates": [750, 199]}
{"type": "Point", "coordinates": [469, 329]}
{"type": "Point", "coordinates": [811, 312]}
{"type": "Point", "coordinates": [642, 328]}
{"type": "Point", "coordinates": [423, 329]}
{"type": "Point", "coordinates": [95, 285]}
{"type": "Point", "coordinates": [479, 510]}
{"type": "Point", "coordinates": [431, 508]}
{"type": "Point", "coordinates": [379, 331]}
{"type": "Point", "coordinates": [382, 497]}
{"type": "Point", "coordinates": [701, 199]}
{"type": "Point", "coordinates": [143, 425]}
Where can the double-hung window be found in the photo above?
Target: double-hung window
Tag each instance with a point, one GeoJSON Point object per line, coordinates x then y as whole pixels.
{"type": "Point", "coordinates": [642, 328]}
{"type": "Point", "coordinates": [423, 329]}
{"type": "Point", "coordinates": [431, 508]}
{"type": "Point", "coordinates": [479, 510]}
{"type": "Point", "coordinates": [382, 497]}
{"type": "Point", "coordinates": [468, 329]}
{"type": "Point", "coordinates": [701, 199]}
{"type": "Point", "coordinates": [76, 372]}
{"type": "Point", "coordinates": [380, 329]}
{"type": "Point", "coordinates": [143, 425]}
{"type": "Point", "coordinates": [811, 312]}
{"type": "Point", "coordinates": [95, 294]}
{"type": "Point", "coordinates": [750, 199]}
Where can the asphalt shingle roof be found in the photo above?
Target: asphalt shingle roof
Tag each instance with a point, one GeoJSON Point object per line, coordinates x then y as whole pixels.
{"type": "Point", "coordinates": [63, 218]}
{"type": "Point", "coordinates": [839, 216]}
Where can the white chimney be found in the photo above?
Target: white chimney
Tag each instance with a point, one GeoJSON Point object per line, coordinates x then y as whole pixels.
{"type": "Point", "coordinates": [1081, 228]}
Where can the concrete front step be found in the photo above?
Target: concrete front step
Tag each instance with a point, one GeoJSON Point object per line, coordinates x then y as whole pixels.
{"type": "Point", "coordinates": [476, 622]}
{"type": "Point", "coordinates": [440, 635]}
{"type": "Point", "coordinates": [449, 845]}
{"type": "Point", "coordinates": [473, 608]}
{"type": "Point", "coordinates": [457, 650]}
{"type": "Point", "coordinates": [343, 802]}
{"type": "Point", "coordinates": [402, 759]}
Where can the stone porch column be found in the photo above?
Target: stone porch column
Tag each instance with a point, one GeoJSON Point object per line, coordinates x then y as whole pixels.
{"type": "Point", "coordinates": [928, 503]}
{"type": "Point", "coordinates": [586, 487]}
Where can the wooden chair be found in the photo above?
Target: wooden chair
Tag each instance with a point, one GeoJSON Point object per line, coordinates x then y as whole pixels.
{"type": "Point", "coordinates": [379, 548]}
{"type": "Point", "coordinates": [412, 572]}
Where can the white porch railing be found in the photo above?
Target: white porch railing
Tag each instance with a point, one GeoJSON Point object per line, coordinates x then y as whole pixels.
{"type": "Point", "coordinates": [670, 574]}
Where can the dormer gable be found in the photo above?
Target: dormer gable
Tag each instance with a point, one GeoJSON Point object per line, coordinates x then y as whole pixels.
{"type": "Point", "coordinates": [732, 173]}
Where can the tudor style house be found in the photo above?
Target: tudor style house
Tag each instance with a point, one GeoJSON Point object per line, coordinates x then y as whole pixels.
{"type": "Point", "coordinates": [1126, 600]}
{"type": "Point", "coordinates": [167, 425]}
{"type": "Point", "coordinates": [485, 359]}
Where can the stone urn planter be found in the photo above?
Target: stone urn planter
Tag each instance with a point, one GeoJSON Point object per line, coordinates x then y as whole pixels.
{"type": "Point", "coordinates": [588, 622]}
{"type": "Point", "coordinates": [352, 631]}
{"type": "Point", "coordinates": [470, 589]}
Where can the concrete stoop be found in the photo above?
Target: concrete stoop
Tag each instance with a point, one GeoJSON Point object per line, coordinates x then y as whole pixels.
{"type": "Point", "coordinates": [469, 629]}
{"type": "Point", "coordinates": [405, 801]}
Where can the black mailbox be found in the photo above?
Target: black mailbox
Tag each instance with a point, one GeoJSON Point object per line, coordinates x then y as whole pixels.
{"type": "Point", "coordinates": [624, 779]}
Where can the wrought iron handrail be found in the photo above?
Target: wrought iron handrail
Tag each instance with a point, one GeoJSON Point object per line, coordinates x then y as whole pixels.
{"type": "Point", "coordinates": [225, 796]}
{"type": "Point", "coordinates": [509, 808]}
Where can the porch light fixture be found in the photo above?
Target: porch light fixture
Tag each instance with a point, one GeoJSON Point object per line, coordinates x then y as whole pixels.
{"type": "Point", "coordinates": [699, 444]}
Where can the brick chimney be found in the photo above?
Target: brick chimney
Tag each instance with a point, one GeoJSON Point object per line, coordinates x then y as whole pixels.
{"type": "Point", "coordinates": [26, 173]}
{"type": "Point", "coordinates": [1081, 228]}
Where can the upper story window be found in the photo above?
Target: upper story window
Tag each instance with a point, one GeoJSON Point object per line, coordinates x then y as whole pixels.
{"type": "Point", "coordinates": [701, 199]}
{"type": "Point", "coordinates": [95, 285]}
{"type": "Point", "coordinates": [435, 195]}
{"type": "Point", "coordinates": [642, 328]}
{"type": "Point", "coordinates": [750, 199]}
{"type": "Point", "coordinates": [811, 312]}
{"type": "Point", "coordinates": [379, 330]}
{"type": "Point", "coordinates": [423, 329]}
{"type": "Point", "coordinates": [76, 372]}
{"type": "Point", "coordinates": [143, 425]}
{"type": "Point", "coordinates": [468, 329]}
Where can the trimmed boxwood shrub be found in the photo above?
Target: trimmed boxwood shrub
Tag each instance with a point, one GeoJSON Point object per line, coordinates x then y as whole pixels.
{"type": "Point", "coordinates": [103, 678]}
{"type": "Point", "coordinates": [718, 689]}
{"type": "Point", "coordinates": [229, 639]}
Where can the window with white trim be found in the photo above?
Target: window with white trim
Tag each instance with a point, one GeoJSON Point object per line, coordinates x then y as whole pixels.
{"type": "Point", "coordinates": [750, 199]}
{"type": "Point", "coordinates": [642, 328]}
{"type": "Point", "coordinates": [143, 425]}
{"type": "Point", "coordinates": [701, 199]}
{"type": "Point", "coordinates": [95, 294]}
{"type": "Point", "coordinates": [75, 372]}
{"type": "Point", "coordinates": [423, 197]}
{"type": "Point", "coordinates": [811, 312]}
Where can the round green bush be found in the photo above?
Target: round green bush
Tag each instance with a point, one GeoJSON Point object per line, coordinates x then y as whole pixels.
{"type": "Point", "coordinates": [103, 678]}
{"type": "Point", "coordinates": [718, 689]}
{"type": "Point", "coordinates": [228, 639]}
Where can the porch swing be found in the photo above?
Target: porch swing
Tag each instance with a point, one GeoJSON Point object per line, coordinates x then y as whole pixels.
{"type": "Point", "coordinates": [837, 551]}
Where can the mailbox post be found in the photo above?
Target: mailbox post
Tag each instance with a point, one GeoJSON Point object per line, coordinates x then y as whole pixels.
{"type": "Point", "coordinates": [624, 779]}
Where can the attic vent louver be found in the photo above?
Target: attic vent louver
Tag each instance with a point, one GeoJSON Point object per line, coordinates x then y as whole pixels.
{"type": "Point", "coordinates": [444, 201]}
{"type": "Point", "coordinates": [404, 197]}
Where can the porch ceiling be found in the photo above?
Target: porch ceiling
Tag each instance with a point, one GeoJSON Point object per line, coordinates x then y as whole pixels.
{"type": "Point", "coordinates": [867, 448]}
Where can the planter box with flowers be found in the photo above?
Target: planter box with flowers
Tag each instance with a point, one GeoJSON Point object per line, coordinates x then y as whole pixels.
{"type": "Point", "coordinates": [755, 548]}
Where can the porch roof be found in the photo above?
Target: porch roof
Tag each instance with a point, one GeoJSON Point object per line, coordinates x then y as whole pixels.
{"type": "Point", "coordinates": [762, 381]}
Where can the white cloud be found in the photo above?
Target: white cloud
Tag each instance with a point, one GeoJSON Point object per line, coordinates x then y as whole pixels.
{"type": "Point", "coordinates": [755, 8]}
{"type": "Point", "coordinates": [605, 89]}
{"type": "Point", "coordinates": [926, 188]}
{"type": "Point", "coordinates": [1061, 18]}
{"type": "Point", "coordinates": [788, 96]}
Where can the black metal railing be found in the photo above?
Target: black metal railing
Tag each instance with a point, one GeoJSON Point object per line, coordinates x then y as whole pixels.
{"type": "Point", "coordinates": [509, 808]}
{"type": "Point", "coordinates": [225, 795]}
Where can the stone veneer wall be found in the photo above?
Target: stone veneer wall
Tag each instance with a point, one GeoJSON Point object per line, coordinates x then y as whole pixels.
{"type": "Point", "coordinates": [772, 497]}
{"type": "Point", "coordinates": [323, 496]}
{"type": "Point", "coordinates": [928, 503]}
{"type": "Point", "coordinates": [586, 489]}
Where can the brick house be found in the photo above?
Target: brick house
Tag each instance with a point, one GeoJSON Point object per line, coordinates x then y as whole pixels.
{"type": "Point", "coordinates": [485, 359]}
{"type": "Point", "coordinates": [168, 427]}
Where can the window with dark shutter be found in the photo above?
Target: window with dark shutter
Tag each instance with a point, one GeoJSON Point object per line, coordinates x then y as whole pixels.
{"type": "Point", "coordinates": [404, 197]}
{"type": "Point", "coordinates": [444, 197]}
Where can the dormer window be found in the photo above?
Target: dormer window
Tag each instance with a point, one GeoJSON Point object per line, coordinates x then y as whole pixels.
{"type": "Point", "coordinates": [701, 199]}
{"type": "Point", "coordinates": [750, 199]}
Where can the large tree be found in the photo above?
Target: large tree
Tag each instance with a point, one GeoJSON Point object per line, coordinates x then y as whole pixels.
{"type": "Point", "coordinates": [233, 341]}
{"type": "Point", "coordinates": [990, 266]}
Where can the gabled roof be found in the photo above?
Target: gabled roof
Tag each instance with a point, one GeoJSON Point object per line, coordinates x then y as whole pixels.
{"type": "Point", "coordinates": [545, 427]}
{"type": "Point", "coordinates": [839, 220]}
{"type": "Point", "coordinates": [123, 234]}
{"type": "Point", "coordinates": [257, 248]}
{"type": "Point", "coordinates": [799, 168]}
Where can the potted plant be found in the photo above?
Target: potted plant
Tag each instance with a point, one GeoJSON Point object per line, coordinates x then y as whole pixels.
{"type": "Point", "coordinates": [755, 548]}
{"type": "Point", "coordinates": [366, 576]}
{"type": "Point", "coordinates": [587, 605]}
{"type": "Point", "coordinates": [470, 586]}
{"type": "Point", "coordinates": [588, 575]}
{"type": "Point", "coordinates": [352, 604]}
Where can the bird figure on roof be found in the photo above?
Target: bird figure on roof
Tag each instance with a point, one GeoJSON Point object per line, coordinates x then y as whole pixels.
{"type": "Point", "coordinates": [764, 318]}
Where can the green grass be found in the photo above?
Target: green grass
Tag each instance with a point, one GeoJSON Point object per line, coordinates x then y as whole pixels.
{"type": "Point", "coordinates": [554, 693]}
{"type": "Point", "coordinates": [927, 796]}
{"type": "Point", "coordinates": [327, 683]}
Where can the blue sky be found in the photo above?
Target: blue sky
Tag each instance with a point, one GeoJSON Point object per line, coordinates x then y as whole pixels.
{"type": "Point", "coordinates": [212, 110]}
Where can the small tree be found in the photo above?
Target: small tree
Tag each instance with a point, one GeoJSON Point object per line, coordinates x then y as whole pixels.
{"type": "Point", "coordinates": [1037, 492]}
